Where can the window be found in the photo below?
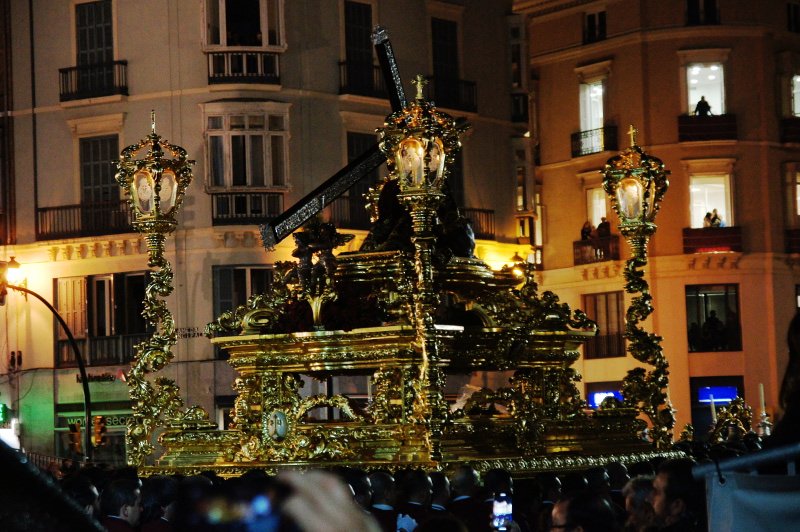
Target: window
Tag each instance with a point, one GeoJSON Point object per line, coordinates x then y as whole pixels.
{"type": "Point", "coordinates": [247, 146]}
{"type": "Point", "coordinates": [792, 172]}
{"type": "Point", "coordinates": [795, 95]}
{"type": "Point", "coordinates": [793, 16]}
{"type": "Point", "coordinates": [706, 80]}
{"type": "Point", "coordinates": [233, 285]}
{"type": "Point", "coordinates": [595, 205]}
{"type": "Point", "coordinates": [358, 46]}
{"type": "Point", "coordinates": [597, 392]}
{"type": "Point", "coordinates": [104, 313]}
{"type": "Point", "coordinates": [712, 318]}
{"type": "Point", "coordinates": [357, 145]}
{"type": "Point", "coordinates": [702, 12]}
{"type": "Point", "coordinates": [521, 169]}
{"type": "Point", "coordinates": [724, 389]}
{"type": "Point", "coordinates": [607, 310]}
{"type": "Point", "coordinates": [446, 71]}
{"type": "Point", "coordinates": [710, 183]}
{"type": "Point", "coordinates": [591, 103]}
{"type": "Point", "coordinates": [245, 24]}
{"type": "Point", "coordinates": [97, 173]}
{"type": "Point", "coordinates": [594, 27]}
{"type": "Point", "coordinates": [709, 193]}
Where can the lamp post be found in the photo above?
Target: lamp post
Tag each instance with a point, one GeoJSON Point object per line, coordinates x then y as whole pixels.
{"type": "Point", "coordinates": [7, 270]}
{"type": "Point", "coordinates": [155, 185]}
{"type": "Point", "coordinates": [636, 183]}
{"type": "Point", "coordinates": [420, 142]}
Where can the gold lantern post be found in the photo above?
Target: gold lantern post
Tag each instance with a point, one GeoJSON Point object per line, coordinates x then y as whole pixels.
{"type": "Point", "coordinates": [155, 185]}
{"type": "Point", "coordinates": [636, 183]}
{"type": "Point", "coordinates": [420, 142]}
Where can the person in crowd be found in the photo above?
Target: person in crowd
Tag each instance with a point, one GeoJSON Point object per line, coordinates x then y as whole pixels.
{"type": "Point", "coordinates": [678, 499]}
{"type": "Point", "coordinates": [641, 468]}
{"type": "Point", "coordinates": [617, 477]}
{"type": "Point", "coordinates": [158, 503]}
{"type": "Point", "coordinates": [637, 493]}
{"type": "Point", "coordinates": [320, 501]}
{"type": "Point", "coordinates": [359, 482]}
{"type": "Point", "coordinates": [584, 511]}
{"type": "Point", "coordinates": [586, 230]}
{"type": "Point", "coordinates": [703, 108]}
{"type": "Point", "coordinates": [713, 332]}
{"type": "Point", "coordinates": [418, 490]}
{"type": "Point", "coordinates": [574, 482]}
{"type": "Point", "coordinates": [716, 219]}
{"type": "Point", "coordinates": [82, 491]}
{"type": "Point", "coordinates": [384, 494]}
{"type": "Point", "coordinates": [550, 488]}
{"type": "Point", "coordinates": [787, 427]}
{"type": "Point", "coordinates": [466, 504]}
{"type": "Point", "coordinates": [440, 492]}
{"type": "Point", "coordinates": [121, 505]}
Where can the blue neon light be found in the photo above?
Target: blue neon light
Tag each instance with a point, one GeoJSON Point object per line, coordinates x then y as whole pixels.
{"type": "Point", "coordinates": [722, 394]}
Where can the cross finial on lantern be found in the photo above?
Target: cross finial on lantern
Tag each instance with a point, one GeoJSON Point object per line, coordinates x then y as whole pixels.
{"type": "Point", "coordinates": [153, 121]}
{"type": "Point", "coordinates": [632, 132]}
{"type": "Point", "coordinates": [419, 82]}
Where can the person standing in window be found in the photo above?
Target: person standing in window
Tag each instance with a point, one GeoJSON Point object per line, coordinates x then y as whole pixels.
{"type": "Point", "coordinates": [703, 108]}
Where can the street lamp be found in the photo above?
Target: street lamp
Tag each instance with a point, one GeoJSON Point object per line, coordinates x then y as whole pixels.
{"type": "Point", "coordinates": [154, 175]}
{"type": "Point", "coordinates": [636, 182]}
{"type": "Point", "coordinates": [420, 142]}
{"type": "Point", "coordinates": [10, 274]}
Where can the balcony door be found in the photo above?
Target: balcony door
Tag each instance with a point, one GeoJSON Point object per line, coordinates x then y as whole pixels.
{"type": "Point", "coordinates": [94, 35]}
{"type": "Point", "coordinates": [358, 46]}
{"type": "Point", "coordinates": [99, 191]}
{"type": "Point", "coordinates": [444, 44]}
{"type": "Point", "coordinates": [357, 144]}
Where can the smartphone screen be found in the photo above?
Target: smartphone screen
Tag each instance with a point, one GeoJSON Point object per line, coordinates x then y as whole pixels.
{"type": "Point", "coordinates": [501, 512]}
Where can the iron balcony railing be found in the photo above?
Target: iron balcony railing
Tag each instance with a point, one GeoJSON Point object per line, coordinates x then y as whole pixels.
{"type": "Point", "coordinates": [88, 219]}
{"type": "Point", "coordinates": [595, 250]}
{"type": "Point", "coordinates": [482, 222]}
{"type": "Point", "coordinates": [245, 208]}
{"type": "Point", "coordinates": [699, 128]}
{"type": "Point", "coordinates": [243, 67]}
{"type": "Point", "coordinates": [349, 212]}
{"type": "Point", "coordinates": [100, 351]}
{"type": "Point", "coordinates": [605, 346]}
{"type": "Point", "coordinates": [457, 94]}
{"type": "Point", "coordinates": [712, 239]}
{"type": "Point", "coordinates": [93, 81]}
{"type": "Point", "coordinates": [594, 141]}
{"type": "Point", "coordinates": [361, 79]}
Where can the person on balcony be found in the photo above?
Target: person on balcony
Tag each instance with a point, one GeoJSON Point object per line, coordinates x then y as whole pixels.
{"type": "Point", "coordinates": [707, 220]}
{"type": "Point", "coordinates": [703, 108]}
{"type": "Point", "coordinates": [603, 237]}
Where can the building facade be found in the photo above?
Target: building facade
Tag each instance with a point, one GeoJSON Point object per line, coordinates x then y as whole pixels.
{"type": "Point", "coordinates": [724, 291]}
{"type": "Point", "coordinates": [270, 97]}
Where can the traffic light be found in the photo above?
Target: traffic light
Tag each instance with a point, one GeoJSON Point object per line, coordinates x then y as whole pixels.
{"type": "Point", "coordinates": [75, 445]}
{"type": "Point", "coordinates": [100, 431]}
{"type": "Point", "coordinates": [4, 418]}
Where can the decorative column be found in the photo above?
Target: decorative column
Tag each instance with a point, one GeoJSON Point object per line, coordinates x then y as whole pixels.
{"type": "Point", "coordinates": [155, 185]}
{"type": "Point", "coordinates": [420, 142]}
{"type": "Point", "coordinates": [636, 183]}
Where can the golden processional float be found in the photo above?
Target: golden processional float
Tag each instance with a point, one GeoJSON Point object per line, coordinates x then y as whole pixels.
{"type": "Point", "coordinates": [411, 309]}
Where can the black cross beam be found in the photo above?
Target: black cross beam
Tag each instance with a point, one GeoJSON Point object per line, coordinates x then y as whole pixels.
{"type": "Point", "coordinates": [322, 196]}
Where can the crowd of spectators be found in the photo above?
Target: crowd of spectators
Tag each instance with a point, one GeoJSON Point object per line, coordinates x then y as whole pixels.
{"type": "Point", "coordinates": [648, 496]}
